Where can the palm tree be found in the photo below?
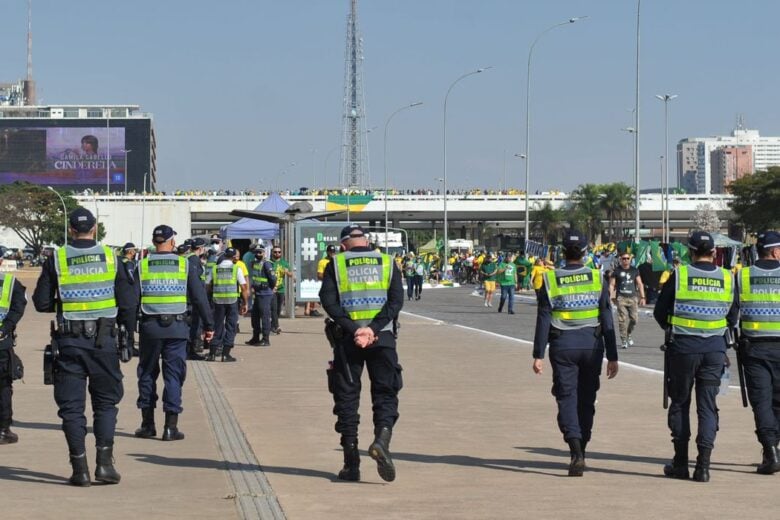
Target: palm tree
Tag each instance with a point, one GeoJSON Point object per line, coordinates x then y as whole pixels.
{"type": "Point", "coordinates": [618, 203]}
{"type": "Point", "coordinates": [548, 221]}
{"type": "Point", "coordinates": [587, 209]}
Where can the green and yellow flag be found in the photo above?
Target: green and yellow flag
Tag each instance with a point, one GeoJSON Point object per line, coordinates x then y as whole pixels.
{"type": "Point", "coordinates": [353, 203]}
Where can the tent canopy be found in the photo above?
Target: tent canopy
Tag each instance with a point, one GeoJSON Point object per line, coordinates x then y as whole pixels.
{"type": "Point", "coordinates": [722, 240]}
{"type": "Point", "coordinates": [253, 228]}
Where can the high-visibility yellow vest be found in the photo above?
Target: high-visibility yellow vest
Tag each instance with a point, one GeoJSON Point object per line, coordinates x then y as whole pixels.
{"type": "Point", "coordinates": [225, 284]}
{"type": "Point", "coordinates": [363, 279]}
{"type": "Point", "coordinates": [759, 302]}
{"type": "Point", "coordinates": [702, 300]}
{"type": "Point", "coordinates": [86, 280]}
{"type": "Point", "coordinates": [574, 297]}
{"type": "Point", "coordinates": [6, 289]}
{"type": "Point", "coordinates": [163, 284]}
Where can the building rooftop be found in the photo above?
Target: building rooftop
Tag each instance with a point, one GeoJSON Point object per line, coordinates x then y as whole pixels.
{"type": "Point", "coordinates": [72, 111]}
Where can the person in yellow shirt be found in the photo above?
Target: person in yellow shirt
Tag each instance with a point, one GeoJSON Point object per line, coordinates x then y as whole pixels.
{"type": "Point", "coordinates": [537, 274]}
{"type": "Point", "coordinates": [330, 252]}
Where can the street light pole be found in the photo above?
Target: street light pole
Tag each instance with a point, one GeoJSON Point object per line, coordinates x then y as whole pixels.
{"type": "Point", "coordinates": [65, 214]}
{"type": "Point", "coordinates": [636, 127]}
{"type": "Point", "coordinates": [666, 98]}
{"type": "Point", "coordinates": [444, 179]}
{"type": "Point", "coordinates": [384, 159]}
{"type": "Point", "coordinates": [126, 154]}
{"type": "Point", "coordinates": [528, 117]}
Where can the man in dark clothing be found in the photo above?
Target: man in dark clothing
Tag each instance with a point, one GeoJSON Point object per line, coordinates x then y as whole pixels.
{"type": "Point", "coordinates": [697, 304]}
{"type": "Point", "coordinates": [262, 280]}
{"type": "Point", "coordinates": [82, 284]}
{"type": "Point", "coordinates": [575, 318]}
{"type": "Point", "coordinates": [362, 292]}
{"type": "Point", "coordinates": [196, 258]}
{"type": "Point", "coordinates": [13, 301]}
{"type": "Point", "coordinates": [759, 301]}
{"type": "Point", "coordinates": [625, 285]}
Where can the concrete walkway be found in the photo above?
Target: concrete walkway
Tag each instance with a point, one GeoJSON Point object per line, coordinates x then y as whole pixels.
{"type": "Point", "coordinates": [476, 439]}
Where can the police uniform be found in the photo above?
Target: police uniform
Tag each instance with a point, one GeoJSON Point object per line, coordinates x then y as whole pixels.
{"type": "Point", "coordinates": [697, 303]}
{"type": "Point", "coordinates": [168, 284]}
{"type": "Point", "coordinates": [226, 281]}
{"type": "Point", "coordinates": [129, 266]}
{"type": "Point", "coordinates": [759, 302]}
{"type": "Point", "coordinates": [363, 288]}
{"type": "Point", "coordinates": [12, 304]}
{"type": "Point", "coordinates": [194, 258]}
{"type": "Point", "coordinates": [574, 316]}
{"type": "Point", "coordinates": [84, 285]}
{"type": "Point", "coordinates": [263, 280]}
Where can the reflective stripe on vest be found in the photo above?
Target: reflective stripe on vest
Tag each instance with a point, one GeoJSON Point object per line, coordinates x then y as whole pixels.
{"type": "Point", "coordinates": [759, 301]}
{"type": "Point", "coordinates": [574, 297]}
{"type": "Point", "coordinates": [86, 280]}
{"type": "Point", "coordinates": [701, 301]}
{"type": "Point", "coordinates": [163, 284]}
{"type": "Point", "coordinates": [363, 280]}
{"type": "Point", "coordinates": [258, 274]}
{"type": "Point", "coordinates": [225, 284]}
{"type": "Point", "coordinates": [7, 284]}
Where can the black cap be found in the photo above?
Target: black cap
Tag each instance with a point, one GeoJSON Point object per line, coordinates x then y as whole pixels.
{"type": "Point", "coordinates": [81, 219]}
{"type": "Point", "coordinates": [331, 249]}
{"type": "Point", "coordinates": [574, 240]}
{"type": "Point", "coordinates": [230, 252]}
{"type": "Point", "coordinates": [128, 246]}
{"type": "Point", "coordinates": [162, 233]}
{"type": "Point", "coordinates": [182, 248]}
{"type": "Point", "coordinates": [197, 242]}
{"type": "Point", "coordinates": [352, 231]}
{"type": "Point", "coordinates": [188, 242]}
{"type": "Point", "coordinates": [768, 239]}
{"type": "Point", "coordinates": [701, 241]}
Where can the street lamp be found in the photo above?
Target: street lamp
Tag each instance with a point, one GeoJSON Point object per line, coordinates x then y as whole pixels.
{"type": "Point", "coordinates": [666, 98]}
{"type": "Point", "coordinates": [126, 152]}
{"type": "Point", "coordinates": [384, 159]}
{"type": "Point", "coordinates": [440, 180]}
{"type": "Point", "coordinates": [636, 128]}
{"type": "Point", "coordinates": [64, 212]}
{"type": "Point", "coordinates": [528, 116]}
{"type": "Point", "coordinates": [444, 179]}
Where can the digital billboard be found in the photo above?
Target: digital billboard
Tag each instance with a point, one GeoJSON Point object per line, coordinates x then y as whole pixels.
{"type": "Point", "coordinates": [65, 157]}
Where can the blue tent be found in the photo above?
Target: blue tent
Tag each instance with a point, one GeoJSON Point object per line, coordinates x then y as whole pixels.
{"type": "Point", "coordinates": [253, 228]}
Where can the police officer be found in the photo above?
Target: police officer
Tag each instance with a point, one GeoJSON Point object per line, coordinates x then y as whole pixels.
{"type": "Point", "coordinates": [759, 301]}
{"type": "Point", "coordinates": [84, 285]}
{"type": "Point", "coordinates": [362, 292]}
{"type": "Point", "coordinates": [168, 283]}
{"type": "Point", "coordinates": [697, 304]}
{"type": "Point", "coordinates": [575, 318]}
{"type": "Point", "coordinates": [263, 280]}
{"type": "Point", "coordinates": [226, 285]}
{"type": "Point", "coordinates": [195, 257]}
{"type": "Point", "coordinates": [129, 265]}
{"type": "Point", "coordinates": [13, 301]}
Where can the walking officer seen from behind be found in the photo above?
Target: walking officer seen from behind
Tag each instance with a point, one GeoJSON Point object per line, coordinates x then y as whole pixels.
{"type": "Point", "coordinates": [13, 301]}
{"type": "Point", "coordinates": [84, 285]}
{"type": "Point", "coordinates": [759, 345]}
{"type": "Point", "coordinates": [574, 316]}
{"type": "Point", "coordinates": [168, 283]}
{"type": "Point", "coordinates": [695, 307]}
{"type": "Point", "coordinates": [362, 292]}
{"type": "Point", "coordinates": [263, 277]}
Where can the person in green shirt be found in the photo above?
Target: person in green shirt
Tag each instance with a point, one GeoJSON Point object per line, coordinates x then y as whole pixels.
{"type": "Point", "coordinates": [488, 271]}
{"type": "Point", "coordinates": [524, 267]}
{"type": "Point", "coordinates": [282, 269]}
{"type": "Point", "coordinates": [507, 279]}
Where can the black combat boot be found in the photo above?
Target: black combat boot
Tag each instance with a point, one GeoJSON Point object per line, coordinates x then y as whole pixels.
{"type": "Point", "coordinates": [212, 353]}
{"type": "Point", "coordinates": [80, 476]}
{"type": "Point", "coordinates": [351, 469]}
{"type": "Point", "coordinates": [380, 452]}
{"type": "Point", "coordinates": [226, 357]}
{"type": "Point", "coordinates": [583, 445]}
{"type": "Point", "coordinates": [701, 473]}
{"type": "Point", "coordinates": [7, 436]}
{"type": "Point", "coordinates": [171, 431]}
{"type": "Point", "coordinates": [253, 341]}
{"type": "Point", "coordinates": [265, 342]}
{"type": "Point", "coordinates": [679, 466]}
{"type": "Point", "coordinates": [104, 467]}
{"type": "Point", "coordinates": [577, 464]}
{"type": "Point", "coordinates": [147, 429]}
{"type": "Point", "coordinates": [770, 462]}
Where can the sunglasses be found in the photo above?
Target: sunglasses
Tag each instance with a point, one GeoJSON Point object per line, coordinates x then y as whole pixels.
{"type": "Point", "coordinates": [626, 258]}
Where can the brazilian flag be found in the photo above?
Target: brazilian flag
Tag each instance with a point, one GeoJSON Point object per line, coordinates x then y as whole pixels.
{"type": "Point", "coordinates": [353, 203]}
{"type": "Point", "coordinates": [657, 256]}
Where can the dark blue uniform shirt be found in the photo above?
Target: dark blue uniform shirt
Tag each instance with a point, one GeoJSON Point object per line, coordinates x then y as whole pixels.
{"type": "Point", "coordinates": [765, 348]}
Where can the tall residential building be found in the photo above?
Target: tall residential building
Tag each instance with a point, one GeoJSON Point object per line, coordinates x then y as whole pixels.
{"type": "Point", "coordinates": [730, 163]}
{"type": "Point", "coordinates": [765, 152]}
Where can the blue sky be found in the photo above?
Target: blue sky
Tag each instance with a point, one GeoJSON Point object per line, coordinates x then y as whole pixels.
{"type": "Point", "coordinates": [240, 89]}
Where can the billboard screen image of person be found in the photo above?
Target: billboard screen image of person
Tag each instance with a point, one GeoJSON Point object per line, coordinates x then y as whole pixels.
{"type": "Point", "coordinates": [63, 156]}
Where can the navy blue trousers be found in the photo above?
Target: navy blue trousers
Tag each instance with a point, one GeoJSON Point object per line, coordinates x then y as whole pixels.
{"type": "Point", "coordinates": [226, 320]}
{"type": "Point", "coordinates": [507, 295]}
{"type": "Point", "coordinates": [80, 369]}
{"type": "Point", "coordinates": [762, 378]}
{"type": "Point", "coordinates": [173, 352]}
{"type": "Point", "coordinates": [261, 315]}
{"type": "Point", "coordinates": [702, 371]}
{"type": "Point", "coordinates": [575, 383]}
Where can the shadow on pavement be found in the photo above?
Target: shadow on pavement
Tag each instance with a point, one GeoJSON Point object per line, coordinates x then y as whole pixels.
{"type": "Point", "coordinates": [26, 475]}
{"type": "Point", "coordinates": [58, 427]}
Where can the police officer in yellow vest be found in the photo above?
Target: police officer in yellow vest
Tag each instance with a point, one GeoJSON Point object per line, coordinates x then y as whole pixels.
{"type": "Point", "coordinates": [169, 283]}
{"type": "Point", "coordinates": [574, 316]}
{"type": "Point", "coordinates": [697, 304]}
{"type": "Point", "coordinates": [227, 284]}
{"type": "Point", "coordinates": [363, 293]}
{"type": "Point", "coordinates": [13, 301]}
{"type": "Point", "coordinates": [759, 302]}
{"type": "Point", "coordinates": [84, 285]}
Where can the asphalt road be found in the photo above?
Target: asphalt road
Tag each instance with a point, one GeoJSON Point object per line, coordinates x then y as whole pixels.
{"type": "Point", "coordinates": [460, 306]}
